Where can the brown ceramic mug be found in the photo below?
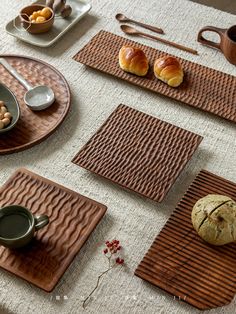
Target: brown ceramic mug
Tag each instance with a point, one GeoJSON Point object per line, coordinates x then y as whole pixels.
{"type": "Point", "coordinates": [227, 42]}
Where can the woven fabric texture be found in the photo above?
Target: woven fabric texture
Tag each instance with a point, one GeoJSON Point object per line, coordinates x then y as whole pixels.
{"type": "Point", "coordinates": [134, 220]}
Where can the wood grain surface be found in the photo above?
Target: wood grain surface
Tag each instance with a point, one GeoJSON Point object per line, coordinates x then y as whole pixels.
{"type": "Point", "coordinates": [139, 152]}
{"type": "Point", "coordinates": [72, 217]}
{"type": "Point", "coordinates": [204, 88]}
{"type": "Point", "coordinates": [33, 127]}
{"type": "Point", "coordinates": [181, 263]}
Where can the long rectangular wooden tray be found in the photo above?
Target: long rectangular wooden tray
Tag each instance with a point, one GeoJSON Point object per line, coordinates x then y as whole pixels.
{"type": "Point", "coordinates": [204, 88]}
{"type": "Point", "coordinates": [181, 263]}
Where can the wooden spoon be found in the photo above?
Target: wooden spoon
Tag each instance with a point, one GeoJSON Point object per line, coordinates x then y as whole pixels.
{"type": "Point", "coordinates": [122, 18]}
{"type": "Point", "coordinates": [132, 31]}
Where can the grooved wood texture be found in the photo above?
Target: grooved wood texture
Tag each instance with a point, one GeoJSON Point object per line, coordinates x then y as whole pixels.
{"type": "Point", "coordinates": [181, 263]}
{"type": "Point", "coordinates": [139, 152]}
{"type": "Point", "coordinates": [72, 218]}
{"type": "Point", "coordinates": [33, 126]}
{"type": "Point", "coordinates": [207, 89]}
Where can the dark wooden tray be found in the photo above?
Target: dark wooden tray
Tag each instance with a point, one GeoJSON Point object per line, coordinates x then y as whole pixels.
{"type": "Point", "coordinates": [139, 152]}
{"type": "Point", "coordinates": [33, 127]}
{"type": "Point", "coordinates": [181, 263]}
{"type": "Point", "coordinates": [72, 218]}
{"type": "Point", "coordinates": [203, 88]}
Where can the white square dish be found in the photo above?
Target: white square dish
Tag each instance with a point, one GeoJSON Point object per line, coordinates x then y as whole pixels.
{"type": "Point", "coordinates": [60, 27]}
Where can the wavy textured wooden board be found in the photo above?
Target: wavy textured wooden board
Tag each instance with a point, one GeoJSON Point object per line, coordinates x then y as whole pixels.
{"type": "Point", "coordinates": [72, 218]}
{"type": "Point", "coordinates": [181, 263]}
{"type": "Point", "coordinates": [139, 152]}
{"type": "Point", "coordinates": [204, 88]}
{"type": "Point", "coordinates": [33, 127]}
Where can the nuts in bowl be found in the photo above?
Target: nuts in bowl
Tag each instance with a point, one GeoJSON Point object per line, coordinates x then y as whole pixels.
{"type": "Point", "coordinates": [37, 18]}
{"type": "Point", "coordinates": [5, 115]}
{"type": "Point", "coordinates": [9, 110]}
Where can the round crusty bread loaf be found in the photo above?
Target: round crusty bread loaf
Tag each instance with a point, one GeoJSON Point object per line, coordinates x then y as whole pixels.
{"type": "Point", "coordinates": [214, 219]}
{"type": "Point", "coordinates": [169, 70]}
{"type": "Point", "coordinates": [133, 60]}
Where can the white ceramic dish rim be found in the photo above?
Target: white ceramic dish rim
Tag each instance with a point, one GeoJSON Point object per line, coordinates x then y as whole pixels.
{"type": "Point", "coordinates": [50, 43]}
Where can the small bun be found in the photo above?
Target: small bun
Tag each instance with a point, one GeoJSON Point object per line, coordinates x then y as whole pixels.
{"type": "Point", "coordinates": [169, 70]}
{"type": "Point", "coordinates": [133, 60]}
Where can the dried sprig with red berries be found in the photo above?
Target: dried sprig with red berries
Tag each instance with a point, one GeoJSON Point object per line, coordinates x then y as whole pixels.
{"type": "Point", "coordinates": [112, 253]}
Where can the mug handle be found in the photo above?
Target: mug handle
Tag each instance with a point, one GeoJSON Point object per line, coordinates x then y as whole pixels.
{"type": "Point", "coordinates": [41, 221]}
{"type": "Point", "coordinates": [204, 41]}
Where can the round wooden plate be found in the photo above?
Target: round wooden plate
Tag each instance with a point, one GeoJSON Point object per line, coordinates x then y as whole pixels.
{"type": "Point", "coordinates": [33, 127]}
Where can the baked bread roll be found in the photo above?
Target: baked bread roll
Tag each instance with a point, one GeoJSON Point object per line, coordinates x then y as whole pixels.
{"type": "Point", "coordinates": [133, 60]}
{"type": "Point", "coordinates": [214, 219]}
{"type": "Point", "coordinates": [169, 70]}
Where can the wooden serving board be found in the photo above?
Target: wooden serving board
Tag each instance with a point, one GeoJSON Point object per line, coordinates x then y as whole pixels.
{"type": "Point", "coordinates": [33, 126]}
{"type": "Point", "coordinates": [139, 152]}
{"type": "Point", "coordinates": [204, 88]}
{"type": "Point", "coordinates": [72, 218]}
{"type": "Point", "coordinates": [181, 263]}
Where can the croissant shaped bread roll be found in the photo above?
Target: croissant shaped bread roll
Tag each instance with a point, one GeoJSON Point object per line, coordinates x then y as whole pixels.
{"type": "Point", "coordinates": [133, 60]}
{"type": "Point", "coordinates": [214, 219]}
{"type": "Point", "coordinates": [168, 70]}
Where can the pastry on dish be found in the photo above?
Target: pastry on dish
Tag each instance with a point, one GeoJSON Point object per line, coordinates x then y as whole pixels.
{"type": "Point", "coordinates": [133, 60]}
{"type": "Point", "coordinates": [169, 70]}
{"type": "Point", "coordinates": [214, 219]}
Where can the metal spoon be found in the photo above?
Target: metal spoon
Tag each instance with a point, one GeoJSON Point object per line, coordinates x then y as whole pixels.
{"type": "Point", "coordinates": [122, 18]}
{"type": "Point", "coordinates": [37, 97]}
{"type": "Point", "coordinates": [132, 31]}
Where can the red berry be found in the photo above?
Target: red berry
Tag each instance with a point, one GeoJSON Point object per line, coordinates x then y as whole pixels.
{"type": "Point", "coordinates": [119, 248]}
{"type": "Point", "coordinates": [107, 242]}
{"type": "Point", "coordinates": [118, 260]}
{"type": "Point", "coordinates": [105, 251]}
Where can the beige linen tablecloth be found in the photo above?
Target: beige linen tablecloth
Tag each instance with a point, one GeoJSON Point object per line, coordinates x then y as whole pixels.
{"type": "Point", "coordinates": [134, 220]}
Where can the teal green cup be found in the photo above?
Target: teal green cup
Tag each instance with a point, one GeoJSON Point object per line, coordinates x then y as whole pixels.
{"type": "Point", "coordinates": [18, 226]}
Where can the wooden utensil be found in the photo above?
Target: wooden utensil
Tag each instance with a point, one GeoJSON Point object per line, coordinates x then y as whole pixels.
{"type": "Point", "coordinates": [122, 18]}
{"type": "Point", "coordinates": [132, 31]}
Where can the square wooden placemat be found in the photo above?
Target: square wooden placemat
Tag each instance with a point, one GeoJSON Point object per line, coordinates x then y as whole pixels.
{"type": "Point", "coordinates": [72, 218]}
{"type": "Point", "coordinates": [139, 152]}
{"type": "Point", "coordinates": [181, 263]}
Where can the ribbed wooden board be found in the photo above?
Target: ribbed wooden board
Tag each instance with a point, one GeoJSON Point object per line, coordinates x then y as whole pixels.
{"type": "Point", "coordinates": [33, 127]}
{"type": "Point", "coordinates": [181, 263]}
{"type": "Point", "coordinates": [204, 88]}
{"type": "Point", "coordinates": [139, 152]}
{"type": "Point", "coordinates": [72, 218]}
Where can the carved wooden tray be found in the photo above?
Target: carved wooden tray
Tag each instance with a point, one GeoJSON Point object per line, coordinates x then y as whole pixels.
{"type": "Point", "coordinates": [139, 152]}
{"type": "Point", "coordinates": [33, 127]}
{"type": "Point", "coordinates": [204, 88]}
{"type": "Point", "coordinates": [72, 219]}
{"type": "Point", "coordinates": [181, 263]}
